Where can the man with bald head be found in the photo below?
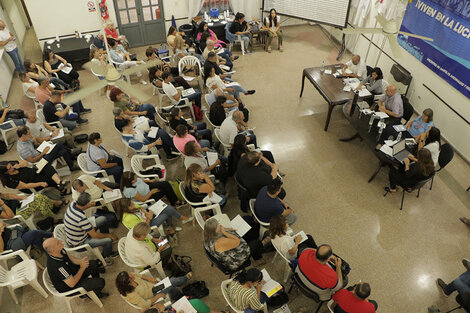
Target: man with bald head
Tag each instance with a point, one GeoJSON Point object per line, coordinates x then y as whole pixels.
{"type": "Point", "coordinates": [232, 126]}
{"type": "Point", "coordinates": [315, 272]}
{"type": "Point", "coordinates": [392, 104]}
{"type": "Point", "coordinates": [357, 67]}
{"type": "Point", "coordinates": [8, 42]}
{"type": "Point", "coordinates": [67, 272]}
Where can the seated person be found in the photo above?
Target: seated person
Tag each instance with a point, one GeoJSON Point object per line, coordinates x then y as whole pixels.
{"type": "Point", "coordinates": [137, 289]}
{"type": "Point", "coordinates": [17, 175]}
{"type": "Point", "coordinates": [182, 137]}
{"type": "Point", "coordinates": [34, 71]}
{"type": "Point", "coordinates": [239, 149]}
{"type": "Point", "coordinates": [268, 204]}
{"type": "Point", "coordinates": [27, 151]}
{"type": "Point", "coordinates": [155, 73]}
{"type": "Point", "coordinates": [232, 126]}
{"type": "Point", "coordinates": [421, 125]}
{"type": "Point", "coordinates": [354, 300]}
{"type": "Point", "coordinates": [54, 63]}
{"type": "Point", "coordinates": [193, 154]}
{"type": "Point", "coordinates": [357, 67]}
{"type": "Point", "coordinates": [219, 92]}
{"type": "Point", "coordinates": [176, 42]}
{"type": "Point", "coordinates": [91, 185]}
{"type": "Point", "coordinates": [241, 27]}
{"type": "Point", "coordinates": [129, 105]}
{"type": "Point", "coordinates": [273, 24]}
{"type": "Point", "coordinates": [79, 229]}
{"type": "Point", "coordinates": [68, 273]}
{"type": "Point", "coordinates": [23, 238]}
{"type": "Point", "coordinates": [315, 272]}
{"type": "Point", "coordinates": [199, 129]}
{"type": "Point", "coordinates": [131, 214]}
{"type": "Point", "coordinates": [98, 42]}
{"type": "Point", "coordinates": [197, 304]}
{"type": "Point", "coordinates": [245, 291]}
{"type": "Point", "coordinates": [217, 113]}
{"type": "Point", "coordinates": [373, 83]}
{"type": "Point", "coordinates": [120, 120]}
{"type": "Point", "coordinates": [112, 32]}
{"type": "Point", "coordinates": [176, 94]}
{"type": "Point", "coordinates": [122, 58]}
{"type": "Point", "coordinates": [409, 174]}
{"type": "Point", "coordinates": [197, 185]}
{"type": "Point", "coordinates": [392, 104]}
{"type": "Point", "coordinates": [289, 246]}
{"type": "Point", "coordinates": [64, 115]}
{"type": "Point", "coordinates": [29, 85]}
{"type": "Point", "coordinates": [142, 249]}
{"type": "Point", "coordinates": [460, 284]}
{"type": "Point", "coordinates": [228, 248]}
{"type": "Point", "coordinates": [4, 117]}
{"type": "Point", "coordinates": [204, 27]}
{"type": "Point", "coordinates": [431, 142]}
{"type": "Point", "coordinates": [98, 158]}
{"type": "Point", "coordinates": [42, 131]}
{"type": "Point", "coordinates": [98, 58]}
{"type": "Point", "coordinates": [141, 142]}
{"type": "Point", "coordinates": [253, 173]}
{"type": "Point", "coordinates": [223, 56]}
{"type": "Point", "coordinates": [139, 189]}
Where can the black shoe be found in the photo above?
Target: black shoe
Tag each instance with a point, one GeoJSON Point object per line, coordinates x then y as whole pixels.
{"type": "Point", "coordinates": [85, 111]}
{"type": "Point", "coordinates": [74, 168]}
{"type": "Point", "coordinates": [443, 286]}
{"type": "Point", "coordinates": [82, 121]}
{"type": "Point", "coordinates": [76, 152]}
{"type": "Point", "coordinates": [236, 57]}
{"type": "Point", "coordinates": [102, 295]}
{"type": "Point", "coordinates": [171, 157]}
{"type": "Point", "coordinates": [250, 92]}
{"type": "Point", "coordinates": [466, 263]}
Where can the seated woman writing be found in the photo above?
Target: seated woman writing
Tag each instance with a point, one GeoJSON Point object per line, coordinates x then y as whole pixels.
{"type": "Point", "coordinates": [34, 71]}
{"type": "Point", "coordinates": [141, 190]}
{"type": "Point", "coordinates": [218, 110]}
{"type": "Point", "coordinates": [54, 63]}
{"type": "Point", "coordinates": [197, 185]}
{"type": "Point", "coordinates": [410, 174]}
{"type": "Point", "coordinates": [373, 83]}
{"type": "Point", "coordinates": [228, 248]}
{"type": "Point", "coordinates": [245, 291]}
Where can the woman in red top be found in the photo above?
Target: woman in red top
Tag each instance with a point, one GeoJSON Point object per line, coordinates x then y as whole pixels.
{"type": "Point", "coordinates": [112, 32]}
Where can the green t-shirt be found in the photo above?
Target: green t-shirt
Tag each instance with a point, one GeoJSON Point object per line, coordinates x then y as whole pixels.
{"type": "Point", "coordinates": [199, 306]}
{"type": "Point", "coordinates": [125, 104]}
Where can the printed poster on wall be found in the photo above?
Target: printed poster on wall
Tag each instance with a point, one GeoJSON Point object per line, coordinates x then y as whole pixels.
{"type": "Point", "coordinates": [448, 23]}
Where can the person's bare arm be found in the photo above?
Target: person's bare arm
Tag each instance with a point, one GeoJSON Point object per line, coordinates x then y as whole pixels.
{"type": "Point", "coordinates": [93, 234]}
{"type": "Point", "coordinates": [64, 61]}
{"type": "Point", "coordinates": [3, 43]}
{"type": "Point", "coordinates": [62, 113]}
{"type": "Point", "coordinates": [177, 97]}
{"type": "Point", "coordinates": [49, 69]}
{"type": "Point", "coordinates": [7, 212]}
{"type": "Point", "coordinates": [4, 115]}
{"type": "Point", "coordinates": [71, 281]}
{"type": "Point", "coordinates": [274, 169]}
{"type": "Point", "coordinates": [102, 162]}
{"type": "Point", "coordinates": [100, 185]}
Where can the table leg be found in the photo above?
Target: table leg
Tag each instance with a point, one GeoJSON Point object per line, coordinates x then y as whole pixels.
{"type": "Point", "coordinates": [327, 123]}
{"type": "Point", "coordinates": [356, 135]}
{"type": "Point", "coordinates": [381, 164]}
{"type": "Point", "coordinates": [303, 84]}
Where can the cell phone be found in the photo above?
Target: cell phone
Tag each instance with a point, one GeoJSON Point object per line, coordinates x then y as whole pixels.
{"type": "Point", "coordinates": [14, 234]}
{"type": "Point", "coordinates": [157, 288]}
{"type": "Point", "coordinates": [163, 242]}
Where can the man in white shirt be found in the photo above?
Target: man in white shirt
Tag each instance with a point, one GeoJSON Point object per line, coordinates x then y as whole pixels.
{"type": "Point", "coordinates": [176, 94]}
{"type": "Point", "coordinates": [45, 132]}
{"type": "Point", "coordinates": [141, 248]}
{"type": "Point", "coordinates": [232, 125]}
{"type": "Point", "coordinates": [7, 41]}
{"type": "Point", "coordinates": [357, 67]}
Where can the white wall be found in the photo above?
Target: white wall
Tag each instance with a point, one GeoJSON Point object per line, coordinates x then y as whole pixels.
{"type": "Point", "coordinates": [15, 12]}
{"type": "Point", "coordinates": [455, 130]}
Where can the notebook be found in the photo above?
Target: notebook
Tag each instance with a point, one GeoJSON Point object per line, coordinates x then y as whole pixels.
{"type": "Point", "coordinates": [45, 144]}
{"type": "Point", "coordinates": [110, 196]}
{"type": "Point", "coordinates": [271, 286]}
{"type": "Point", "coordinates": [212, 157]}
{"type": "Point", "coordinates": [187, 92]}
{"type": "Point", "coordinates": [240, 225]}
{"type": "Point", "coordinates": [153, 132]}
{"type": "Point", "coordinates": [183, 305]}
{"type": "Point", "coordinates": [214, 198]}
{"type": "Point", "coordinates": [158, 207]}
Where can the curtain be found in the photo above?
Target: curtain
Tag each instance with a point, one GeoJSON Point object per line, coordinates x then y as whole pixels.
{"type": "Point", "coordinates": [194, 7]}
{"type": "Point", "coordinates": [238, 6]}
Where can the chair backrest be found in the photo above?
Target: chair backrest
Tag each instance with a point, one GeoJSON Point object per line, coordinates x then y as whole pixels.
{"type": "Point", "coordinates": [280, 253]}
{"type": "Point", "coordinates": [384, 85]}
{"type": "Point", "coordinates": [206, 114]}
{"type": "Point", "coordinates": [228, 35]}
{"type": "Point", "coordinates": [252, 208]}
{"type": "Point", "coordinates": [132, 305]}
{"type": "Point", "coordinates": [331, 305]}
{"type": "Point", "coordinates": [193, 204]}
{"type": "Point", "coordinates": [423, 182]}
{"type": "Point", "coordinates": [219, 265]}
{"type": "Point", "coordinates": [81, 160]}
{"type": "Point", "coordinates": [189, 60]}
{"type": "Point", "coordinates": [445, 155]}
{"type": "Point", "coordinates": [407, 109]}
{"type": "Point", "coordinates": [59, 233]}
{"type": "Point", "coordinates": [217, 135]}
{"type": "Point", "coordinates": [207, 98]}
{"type": "Point", "coordinates": [224, 286]}
{"type": "Point", "coordinates": [48, 283]}
{"type": "Point", "coordinates": [40, 115]}
{"type": "Point", "coordinates": [122, 254]}
{"type": "Point", "coordinates": [304, 289]}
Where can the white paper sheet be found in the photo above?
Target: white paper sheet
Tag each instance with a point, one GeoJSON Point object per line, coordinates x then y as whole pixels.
{"type": "Point", "coordinates": [215, 198]}
{"type": "Point", "coordinates": [381, 115]}
{"type": "Point", "coordinates": [187, 92]}
{"type": "Point", "coordinates": [232, 84]}
{"type": "Point", "coordinates": [92, 220]}
{"type": "Point", "coordinates": [45, 144]}
{"type": "Point", "coordinates": [183, 305]}
{"type": "Point", "coordinates": [27, 201]}
{"type": "Point", "coordinates": [212, 157]}
{"type": "Point", "coordinates": [40, 165]}
{"type": "Point", "coordinates": [60, 134]}
{"type": "Point", "coordinates": [271, 286]}
{"type": "Point", "coordinates": [158, 207]}
{"type": "Point", "coordinates": [387, 150]}
{"type": "Point", "coordinates": [166, 283]}
{"type": "Point", "coordinates": [363, 92]}
{"type": "Point", "coordinates": [303, 235]}
{"type": "Point", "coordinates": [240, 225]}
{"type": "Point", "coordinates": [153, 132]}
{"type": "Point", "coordinates": [110, 196]}
{"type": "Point", "coordinates": [138, 120]}
{"type": "Point", "coordinates": [327, 71]}
{"type": "Point", "coordinates": [188, 78]}
{"type": "Point", "coordinates": [399, 128]}
{"type": "Point", "coordinates": [224, 67]}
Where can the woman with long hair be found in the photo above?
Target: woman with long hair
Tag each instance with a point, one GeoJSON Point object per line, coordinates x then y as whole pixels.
{"type": "Point", "coordinates": [245, 291]}
{"type": "Point", "coordinates": [54, 63]}
{"type": "Point", "coordinates": [241, 27]}
{"type": "Point", "coordinates": [199, 129]}
{"type": "Point", "coordinates": [273, 24]}
{"type": "Point", "coordinates": [176, 42]}
{"type": "Point", "coordinates": [410, 174]}
{"type": "Point", "coordinates": [432, 143]}
{"type": "Point", "coordinates": [213, 81]}
{"type": "Point", "coordinates": [193, 154]}
{"type": "Point", "coordinates": [34, 70]}
{"type": "Point", "coordinates": [204, 27]}
{"type": "Point", "coordinates": [197, 185]}
{"type": "Point", "coordinates": [373, 82]}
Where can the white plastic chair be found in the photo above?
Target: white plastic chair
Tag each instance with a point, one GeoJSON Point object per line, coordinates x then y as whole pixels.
{"type": "Point", "coordinates": [175, 103]}
{"type": "Point", "coordinates": [6, 131]}
{"type": "Point", "coordinates": [331, 305]}
{"type": "Point", "coordinates": [134, 266]}
{"type": "Point", "coordinates": [224, 286]}
{"type": "Point", "coordinates": [227, 146]}
{"type": "Point", "coordinates": [59, 233]}
{"type": "Point", "coordinates": [191, 61]}
{"type": "Point", "coordinates": [206, 114]}
{"type": "Point", "coordinates": [215, 208]}
{"type": "Point", "coordinates": [81, 160]}
{"type": "Point", "coordinates": [137, 168]}
{"type": "Point", "coordinates": [69, 295]}
{"type": "Point", "coordinates": [37, 104]}
{"type": "Point", "coordinates": [42, 119]}
{"type": "Point", "coordinates": [263, 226]}
{"type": "Point", "coordinates": [192, 204]}
{"type": "Point", "coordinates": [20, 219]}
{"type": "Point", "coordinates": [118, 66]}
{"type": "Point", "coordinates": [287, 269]}
{"type": "Point", "coordinates": [207, 97]}
{"type": "Point", "coordinates": [21, 274]}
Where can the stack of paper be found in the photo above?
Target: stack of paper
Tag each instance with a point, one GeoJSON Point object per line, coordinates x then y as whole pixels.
{"type": "Point", "coordinates": [214, 198]}
{"type": "Point", "coordinates": [40, 165]}
{"type": "Point", "coordinates": [240, 225]}
{"type": "Point", "coordinates": [187, 92]}
{"type": "Point", "coordinates": [212, 157]}
{"type": "Point", "coordinates": [110, 196]}
{"type": "Point", "coordinates": [45, 144]}
{"type": "Point", "coordinates": [60, 134]}
{"type": "Point", "coordinates": [303, 235]}
{"type": "Point", "coordinates": [224, 67]}
{"type": "Point", "coordinates": [271, 286]}
{"type": "Point", "coordinates": [399, 127]}
{"type": "Point", "coordinates": [165, 282]}
{"type": "Point", "coordinates": [158, 207]}
{"type": "Point", "coordinates": [381, 115]}
{"type": "Point", "coordinates": [183, 305]}
{"type": "Point", "coordinates": [153, 132]}
{"type": "Point", "coordinates": [139, 120]}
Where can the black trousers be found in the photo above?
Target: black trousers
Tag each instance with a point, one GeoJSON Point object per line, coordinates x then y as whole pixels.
{"type": "Point", "coordinates": [165, 190]}
{"type": "Point", "coordinates": [93, 283]}
{"type": "Point", "coordinates": [60, 150]}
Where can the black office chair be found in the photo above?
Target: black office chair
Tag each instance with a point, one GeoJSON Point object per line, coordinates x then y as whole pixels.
{"type": "Point", "coordinates": [417, 186]}
{"type": "Point", "coordinates": [408, 109]}
{"type": "Point", "coordinates": [243, 195]}
{"type": "Point", "coordinates": [461, 304]}
{"type": "Point", "coordinates": [222, 267]}
{"type": "Point", "coordinates": [306, 291]}
{"type": "Point", "coordinates": [369, 70]}
{"type": "Point", "coordinates": [445, 156]}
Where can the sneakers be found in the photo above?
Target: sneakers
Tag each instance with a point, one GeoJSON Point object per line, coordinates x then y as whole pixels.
{"type": "Point", "coordinates": [188, 220]}
{"type": "Point", "coordinates": [86, 111]}
{"type": "Point", "coordinates": [109, 259]}
{"type": "Point", "coordinates": [75, 167]}
{"type": "Point", "coordinates": [250, 92]}
{"type": "Point", "coordinates": [236, 57]}
{"type": "Point", "coordinates": [82, 121]}
{"type": "Point", "coordinates": [171, 157]}
{"type": "Point", "coordinates": [102, 295]}
{"type": "Point", "coordinates": [466, 263]}
{"type": "Point", "coordinates": [143, 82]}
{"type": "Point", "coordinates": [443, 286]}
{"type": "Point", "coordinates": [177, 228]}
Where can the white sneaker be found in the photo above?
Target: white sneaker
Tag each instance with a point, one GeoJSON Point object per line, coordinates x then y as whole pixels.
{"type": "Point", "coordinates": [143, 82]}
{"type": "Point", "coordinates": [177, 228]}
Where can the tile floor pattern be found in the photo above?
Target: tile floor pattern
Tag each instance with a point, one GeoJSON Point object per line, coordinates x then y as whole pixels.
{"type": "Point", "coordinates": [400, 253]}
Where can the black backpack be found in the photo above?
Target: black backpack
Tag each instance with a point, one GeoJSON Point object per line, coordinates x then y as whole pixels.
{"type": "Point", "coordinates": [196, 290]}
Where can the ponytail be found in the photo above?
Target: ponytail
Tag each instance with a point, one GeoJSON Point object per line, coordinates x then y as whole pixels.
{"type": "Point", "coordinates": [251, 275]}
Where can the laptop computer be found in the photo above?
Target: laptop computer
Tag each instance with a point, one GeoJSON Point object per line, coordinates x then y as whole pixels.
{"type": "Point", "coordinates": [399, 151]}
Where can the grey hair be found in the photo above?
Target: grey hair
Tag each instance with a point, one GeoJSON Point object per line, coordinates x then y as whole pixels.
{"type": "Point", "coordinates": [83, 199]}
{"type": "Point", "coordinates": [210, 230]}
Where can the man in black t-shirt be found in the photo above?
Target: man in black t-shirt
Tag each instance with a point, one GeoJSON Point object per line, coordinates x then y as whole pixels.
{"type": "Point", "coordinates": [51, 114]}
{"type": "Point", "coordinates": [69, 273]}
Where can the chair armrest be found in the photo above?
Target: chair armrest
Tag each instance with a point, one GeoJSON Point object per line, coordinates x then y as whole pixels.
{"type": "Point", "coordinates": [12, 124]}
{"type": "Point", "coordinates": [56, 124]}
{"type": "Point", "coordinates": [80, 290]}
{"type": "Point", "coordinates": [12, 254]}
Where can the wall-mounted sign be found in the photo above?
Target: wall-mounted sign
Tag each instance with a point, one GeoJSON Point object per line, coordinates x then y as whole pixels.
{"type": "Point", "coordinates": [91, 6]}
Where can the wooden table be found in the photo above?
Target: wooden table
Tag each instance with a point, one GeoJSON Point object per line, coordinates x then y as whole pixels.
{"type": "Point", "coordinates": [328, 86]}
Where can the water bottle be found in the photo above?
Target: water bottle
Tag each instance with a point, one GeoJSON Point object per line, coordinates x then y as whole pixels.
{"type": "Point", "coordinates": [71, 114]}
{"type": "Point", "coordinates": [399, 137]}
{"type": "Point", "coordinates": [322, 69]}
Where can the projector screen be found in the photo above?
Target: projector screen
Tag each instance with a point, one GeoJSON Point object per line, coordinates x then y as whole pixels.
{"type": "Point", "coordinates": [330, 12]}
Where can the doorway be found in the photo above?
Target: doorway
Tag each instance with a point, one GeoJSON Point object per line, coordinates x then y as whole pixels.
{"type": "Point", "coordinates": [141, 21]}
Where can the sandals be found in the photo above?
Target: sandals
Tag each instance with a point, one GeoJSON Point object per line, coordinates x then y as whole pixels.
{"type": "Point", "coordinates": [465, 220]}
{"type": "Point", "coordinates": [180, 203]}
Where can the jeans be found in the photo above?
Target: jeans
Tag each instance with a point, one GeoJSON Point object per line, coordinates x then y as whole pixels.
{"type": "Point", "coordinates": [35, 237]}
{"type": "Point", "coordinates": [236, 91]}
{"type": "Point", "coordinates": [59, 82]}
{"type": "Point", "coordinates": [16, 58]}
{"type": "Point", "coordinates": [60, 150]}
{"type": "Point", "coordinates": [150, 110]}
{"type": "Point", "coordinates": [106, 243]}
{"type": "Point", "coordinates": [461, 284]}
{"type": "Point", "coordinates": [196, 97]}
{"type": "Point", "coordinates": [115, 171]}
{"type": "Point", "coordinates": [165, 215]}
{"type": "Point", "coordinates": [251, 134]}
{"type": "Point", "coordinates": [226, 55]}
{"type": "Point", "coordinates": [70, 125]}
{"type": "Point", "coordinates": [291, 218]}
{"type": "Point", "coordinates": [203, 131]}
{"type": "Point", "coordinates": [167, 141]}
{"type": "Point", "coordinates": [204, 143]}
{"type": "Point", "coordinates": [246, 40]}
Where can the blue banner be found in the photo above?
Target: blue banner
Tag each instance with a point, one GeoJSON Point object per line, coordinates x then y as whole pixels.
{"type": "Point", "coordinates": [448, 23]}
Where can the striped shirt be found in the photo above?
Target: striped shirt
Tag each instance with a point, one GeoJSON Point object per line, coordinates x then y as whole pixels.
{"type": "Point", "coordinates": [77, 225]}
{"type": "Point", "coordinates": [244, 298]}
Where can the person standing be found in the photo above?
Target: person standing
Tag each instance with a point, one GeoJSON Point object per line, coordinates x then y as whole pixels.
{"type": "Point", "coordinates": [7, 41]}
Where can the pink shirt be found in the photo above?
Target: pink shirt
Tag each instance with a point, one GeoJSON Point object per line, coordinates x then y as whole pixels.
{"type": "Point", "coordinates": [181, 142]}
{"type": "Point", "coordinates": [42, 95]}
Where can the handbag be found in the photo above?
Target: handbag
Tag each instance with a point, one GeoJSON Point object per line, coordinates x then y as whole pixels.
{"type": "Point", "coordinates": [180, 265]}
{"type": "Point", "coordinates": [196, 290]}
{"type": "Point", "coordinates": [15, 114]}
